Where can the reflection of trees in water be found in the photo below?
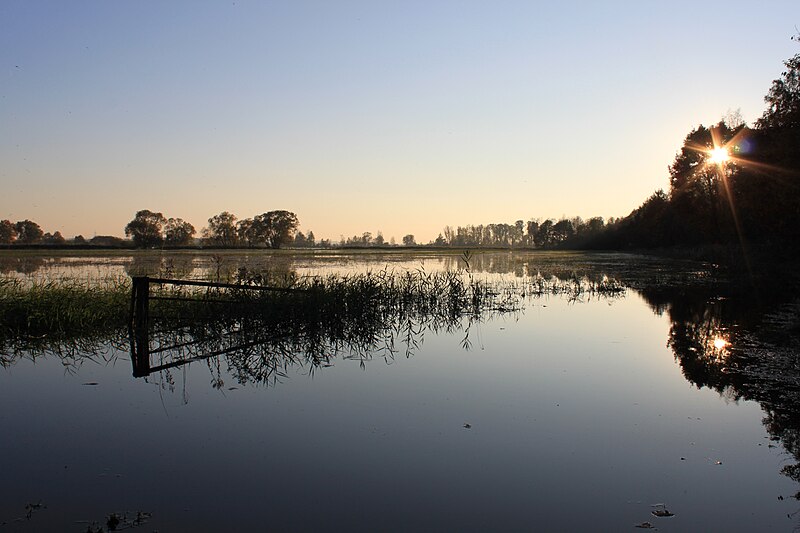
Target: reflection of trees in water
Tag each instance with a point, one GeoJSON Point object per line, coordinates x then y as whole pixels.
{"type": "Point", "coordinates": [169, 264]}
{"type": "Point", "coordinates": [631, 270]}
{"type": "Point", "coordinates": [207, 265]}
{"type": "Point", "coordinates": [20, 264]}
{"type": "Point", "coordinates": [731, 345]}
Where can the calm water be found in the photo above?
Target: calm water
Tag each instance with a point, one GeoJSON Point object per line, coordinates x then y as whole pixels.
{"type": "Point", "coordinates": [571, 415]}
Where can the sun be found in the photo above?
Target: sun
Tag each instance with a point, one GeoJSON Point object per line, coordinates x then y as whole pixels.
{"type": "Point", "coordinates": [719, 155]}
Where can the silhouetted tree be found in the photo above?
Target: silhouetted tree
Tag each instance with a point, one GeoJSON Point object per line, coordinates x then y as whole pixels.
{"type": "Point", "coordinates": [146, 229]}
{"type": "Point", "coordinates": [449, 235]}
{"type": "Point", "coordinates": [563, 230]}
{"type": "Point", "coordinates": [783, 99]}
{"type": "Point", "coordinates": [54, 238]}
{"type": "Point", "coordinates": [247, 231]}
{"type": "Point", "coordinates": [106, 240]}
{"type": "Point", "coordinates": [178, 232]}
{"type": "Point", "coordinates": [408, 240]}
{"type": "Point", "coordinates": [276, 228]}
{"type": "Point", "coordinates": [310, 239]}
{"type": "Point", "coordinates": [8, 232]}
{"type": "Point", "coordinates": [28, 232]}
{"type": "Point", "coordinates": [221, 230]}
{"type": "Point", "coordinates": [532, 227]}
{"type": "Point", "coordinates": [544, 234]}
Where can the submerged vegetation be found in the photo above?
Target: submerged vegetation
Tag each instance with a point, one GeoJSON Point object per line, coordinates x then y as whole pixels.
{"type": "Point", "coordinates": [60, 309]}
{"type": "Point", "coordinates": [317, 316]}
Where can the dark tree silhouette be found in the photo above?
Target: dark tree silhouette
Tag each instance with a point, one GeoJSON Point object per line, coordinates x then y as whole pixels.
{"type": "Point", "coordinates": [783, 99]}
{"type": "Point", "coordinates": [247, 232]}
{"type": "Point", "coordinates": [146, 229]}
{"type": "Point", "coordinates": [178, 232]}
{"type": "Point", "coordinates": [276, 228]}
{"type": "Point", "coordinates": [28, 232]}
{"type": "Point", "coordinates": [221, 230]}
{"type": "Point", "coordinates": [8, 232]}
{"type": "Point", "coordinates": [54, 238]}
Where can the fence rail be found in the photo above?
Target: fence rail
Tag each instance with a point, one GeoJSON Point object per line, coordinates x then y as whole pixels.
{"type": "Point", "coordinates": [140, 315]}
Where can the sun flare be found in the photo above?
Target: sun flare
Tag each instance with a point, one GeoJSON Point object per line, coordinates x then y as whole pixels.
{"type": "Point", "coordinates": [720, 343]}
{"type": "Point", "coordinates": [719, 155]}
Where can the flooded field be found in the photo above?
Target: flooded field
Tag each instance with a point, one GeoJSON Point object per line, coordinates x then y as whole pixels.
{"type": "Point", "coordinates": [428, 392]}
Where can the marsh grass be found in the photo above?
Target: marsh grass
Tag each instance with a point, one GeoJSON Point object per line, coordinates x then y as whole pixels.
{"type": "Point", "coordinates": [303, 320]}
{"type": "Point", "coordinates": [62, 308]}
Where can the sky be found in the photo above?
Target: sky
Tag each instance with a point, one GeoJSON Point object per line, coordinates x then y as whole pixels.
{"type": "Point", "coordinates": [399, 117]}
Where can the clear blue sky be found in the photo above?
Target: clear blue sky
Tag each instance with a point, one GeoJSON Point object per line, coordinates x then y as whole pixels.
{"type": "Point", "coordinates": [400, 117]}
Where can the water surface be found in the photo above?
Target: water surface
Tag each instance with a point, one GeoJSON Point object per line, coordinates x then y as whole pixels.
{"type": "Point", "coordinates": [572, 414]}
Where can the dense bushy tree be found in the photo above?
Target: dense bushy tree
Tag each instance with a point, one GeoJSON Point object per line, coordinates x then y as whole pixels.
{"type": "Point", "coordinates": [276, 228]}
{"type": "Point", "coordinates": [8, 232]}
{"type": "Point", "coordinates": [146, 229]}
{"type": "Point", "coordinates": [221, 230]}
{"type": "Point", "coordinates": [28, 232]}
{"type": "Point", "coordinates": [752, 197]}
{"type": "Point", "coordinates": [783, 99]}
{"type": "Point", "coordinates": [178, 232]}
{"type": "Point", "coordinates": [53, 238]}
{"type": "Point", "coordinates": [247, 232]}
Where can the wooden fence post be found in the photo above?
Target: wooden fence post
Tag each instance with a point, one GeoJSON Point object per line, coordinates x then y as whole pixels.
{"type": "Point", "coordinates": [140, 339]}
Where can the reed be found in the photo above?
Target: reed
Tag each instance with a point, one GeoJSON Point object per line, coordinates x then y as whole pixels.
{"type": "Point", "coordinates": [309, 318]}
{"type": "Point", "coordinates": [62, 307]}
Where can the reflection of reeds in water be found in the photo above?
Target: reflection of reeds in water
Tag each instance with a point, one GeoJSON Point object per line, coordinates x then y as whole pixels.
{"type": "Point", "coordinates": [306, 321]}
{"type": "Point", "coordinates": [359, 316]}
{"type": "Point", "coordinates": [71, 319]}
{"type": "Point", "coordinates": [355, 316]}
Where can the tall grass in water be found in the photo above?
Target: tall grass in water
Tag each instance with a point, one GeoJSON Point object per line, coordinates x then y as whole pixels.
{"type": "Point", "coordinates": [307, 320]}
{"type": "Point", "coordinates": [359, 316]}
{"type": "Point", "coordinates": [49, 315]}
{"type": "Point", "coordinates": [63, 307]}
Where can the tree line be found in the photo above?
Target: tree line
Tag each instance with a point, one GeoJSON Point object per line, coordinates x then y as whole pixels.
{"type": "Point", "coordinates": [729, 183]}
{"type": "Point", "coordinates": [27, 232]}
{"type": "Point", "coordinates": [273, 229]}
{"type": "Point", "coordinates": [534, 233]}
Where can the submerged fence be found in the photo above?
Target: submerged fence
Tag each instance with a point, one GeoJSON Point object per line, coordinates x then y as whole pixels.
{"type": "Point", "coordinates": [140, 317]}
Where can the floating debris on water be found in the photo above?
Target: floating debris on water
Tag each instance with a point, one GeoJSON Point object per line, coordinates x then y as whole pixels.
{"type": "Point", "coordinates": [117, 522]}
{"type": "Point", "coordinates": [467, 426]}
{"type": "Point", "coordinates": [661, 510]}
{"type": "Point", "coordinates": [31, 507]}
{"type": "Point", "coordinates": [645, 525]}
